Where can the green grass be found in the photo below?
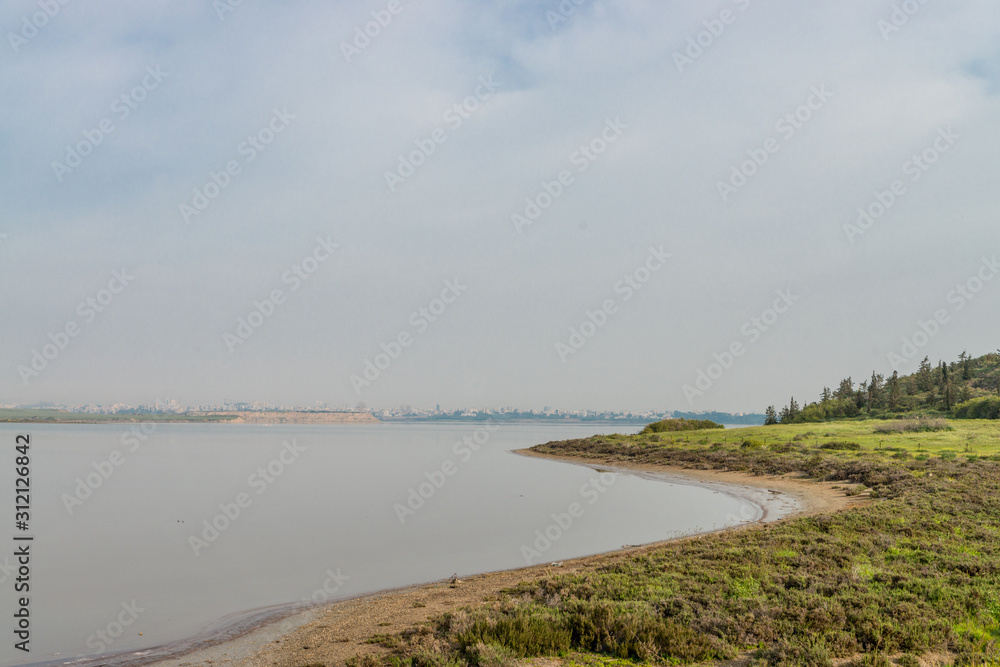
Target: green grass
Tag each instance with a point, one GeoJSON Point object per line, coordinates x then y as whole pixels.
{"type": "Point", "coordinates": [915, 571]}
{"type": "Point", "coordinates": [981, 437]}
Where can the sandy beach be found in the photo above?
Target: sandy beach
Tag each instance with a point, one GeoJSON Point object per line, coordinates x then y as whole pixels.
{"type": "Point", "coordinates": [334, 632]}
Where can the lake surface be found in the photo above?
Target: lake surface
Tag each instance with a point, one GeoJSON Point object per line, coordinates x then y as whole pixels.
{"type": "Point", "coordinates": [168, 530]}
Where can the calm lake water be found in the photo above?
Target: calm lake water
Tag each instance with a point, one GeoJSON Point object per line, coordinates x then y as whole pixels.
{"type": "Point", "coordinates": [172, 531]}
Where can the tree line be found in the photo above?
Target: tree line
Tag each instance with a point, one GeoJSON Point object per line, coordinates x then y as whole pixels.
{"type": "Point", "coordinates": [966, 388]}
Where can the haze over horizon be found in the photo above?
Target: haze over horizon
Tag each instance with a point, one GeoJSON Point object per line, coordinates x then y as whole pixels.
{"type": "Point", "coordinates": [576, 204]}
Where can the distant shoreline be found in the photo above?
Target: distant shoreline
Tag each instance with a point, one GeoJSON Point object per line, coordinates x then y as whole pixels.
{"type": "Point", "coordinates": [235, 417]}
{"type": "Point", "coordinates": [52, 416]}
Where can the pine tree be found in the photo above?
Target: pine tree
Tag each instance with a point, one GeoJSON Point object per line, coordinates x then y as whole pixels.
{"type": "Point", "coordinates": [826, 395]}
{"type": "Point", "coordinates": [932, 397]}
{"type": "Point", "coordinates": [946, 388]}
{"type": "Point", "coordinates": [894, 391]}
{"type": "Point", "coordinates": [846, 389]}
{"type": "Point", "coordinates": [874, 392]}
{"type": "Point", "coordinates": [770, 416]}
{"type": "Point", "coordinates": [924, 379]}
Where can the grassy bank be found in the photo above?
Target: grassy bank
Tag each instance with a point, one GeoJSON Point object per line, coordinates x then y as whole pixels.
{"type": "Point", "coordinates": [913, 574]}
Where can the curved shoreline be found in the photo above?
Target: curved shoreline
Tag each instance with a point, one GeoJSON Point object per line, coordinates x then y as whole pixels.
{"type": "Point", "coordinates": [333, 631]}
{"type": "Point", "coordinates": [814, 496]}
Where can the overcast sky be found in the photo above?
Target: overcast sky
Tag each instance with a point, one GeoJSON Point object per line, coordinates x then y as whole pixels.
{"type": "Point", "coordinates": [173, 162]}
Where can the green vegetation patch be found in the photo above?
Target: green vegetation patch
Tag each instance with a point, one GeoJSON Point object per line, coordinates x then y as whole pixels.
{"type": "Point", "coordinates": [841, 445]}
{"type": "Point", "coordinates": [913, 426]}
{"type": "Point", "coordinates": [986, 407]}
{"type": "Point", "coordinates": [671, 425]}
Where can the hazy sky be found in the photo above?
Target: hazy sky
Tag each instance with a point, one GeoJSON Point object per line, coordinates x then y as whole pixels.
{"type": "Point", "coordinates": [167, 166]}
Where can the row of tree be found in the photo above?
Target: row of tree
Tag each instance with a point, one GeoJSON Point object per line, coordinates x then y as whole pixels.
{"type": "Point", "coordinates": [940, 387]}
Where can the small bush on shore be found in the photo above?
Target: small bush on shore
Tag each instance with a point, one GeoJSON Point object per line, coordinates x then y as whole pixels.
{"type": "Point", "coordinates": [673, 425]}
{"type": "Point", "coordinates": [491, 655]}
{"type": "Point", "coordinates": [842, 446]}
{"type": "Point", "coordinates": [873, 660]}
{"type": "Point", "coordinates": [913, 426]}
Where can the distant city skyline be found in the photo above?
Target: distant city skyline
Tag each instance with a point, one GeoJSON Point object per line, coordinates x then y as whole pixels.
{"type": "Point", "coordinates": [319, 406]}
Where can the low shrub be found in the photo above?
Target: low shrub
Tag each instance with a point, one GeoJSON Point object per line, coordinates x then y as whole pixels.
{"type": "Point", "coordinates": [872, 660]}
{"type": "Point", "coordinates": [913, 426]}
{"type": "Point", "coordinates": [841, 445]}
{"type": "Point", "coordinates": [986, 407]}
{"type": "Point", "coordinates": [672, 425]}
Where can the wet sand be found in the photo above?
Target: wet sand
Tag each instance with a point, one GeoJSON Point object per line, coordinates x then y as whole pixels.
{"type": "Point", "coordinates": [334, 632]}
